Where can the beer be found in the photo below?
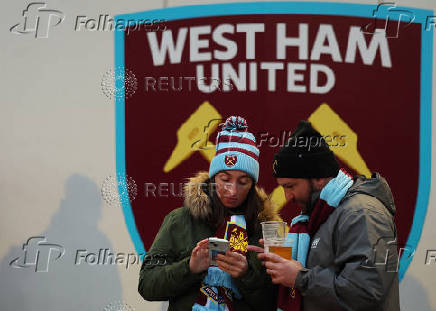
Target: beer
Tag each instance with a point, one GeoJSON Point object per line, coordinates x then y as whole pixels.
{"type": "Point", "coordinates": [283, 251]}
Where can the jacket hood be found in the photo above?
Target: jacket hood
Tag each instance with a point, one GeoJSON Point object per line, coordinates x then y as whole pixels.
{"type": "Point", "coordinates": [197, 201]}
{"type": "Point", "coordinates": [377, 187]}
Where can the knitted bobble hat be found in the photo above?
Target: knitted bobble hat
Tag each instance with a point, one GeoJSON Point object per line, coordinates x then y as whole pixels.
{"type": "Point", "coordinates": [235, 149]}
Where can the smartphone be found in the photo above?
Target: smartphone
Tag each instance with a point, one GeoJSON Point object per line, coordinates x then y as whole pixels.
{"type": "Point", "coordinates": [217, 246]}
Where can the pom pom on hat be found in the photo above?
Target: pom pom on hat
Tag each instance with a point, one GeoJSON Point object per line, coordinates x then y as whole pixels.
{"type": "Point", "coordinates": [235, 149]}
{"type": "Point", "coordinates": [235, 124]}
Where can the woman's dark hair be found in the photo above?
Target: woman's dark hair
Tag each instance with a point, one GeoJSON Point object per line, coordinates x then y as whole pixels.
{"type": "Point", "coordinates": [251, 208]}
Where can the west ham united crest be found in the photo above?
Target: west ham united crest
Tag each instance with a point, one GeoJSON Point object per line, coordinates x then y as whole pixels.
{"type": "Point", "coordinates": [211, 62]}
{"type": "Point", "coordinates": [230, 160]}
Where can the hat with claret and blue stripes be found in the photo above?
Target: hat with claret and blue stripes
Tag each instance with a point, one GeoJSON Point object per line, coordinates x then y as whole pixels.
{"type": "Point", "coordinates": [235, 149]}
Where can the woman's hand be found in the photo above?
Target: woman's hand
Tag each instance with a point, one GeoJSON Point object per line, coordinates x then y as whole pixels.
{"type": "Point", "coordinates": [233, 263]}
{"type": "Point", "coordinates": [199, 261]}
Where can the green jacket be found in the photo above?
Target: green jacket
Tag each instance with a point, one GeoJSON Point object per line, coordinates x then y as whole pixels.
{"type": "Point", "coordinates": [181, 230]}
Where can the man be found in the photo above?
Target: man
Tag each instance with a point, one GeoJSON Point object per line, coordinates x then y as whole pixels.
{"type": "Point", "coordinates": [345, 237]}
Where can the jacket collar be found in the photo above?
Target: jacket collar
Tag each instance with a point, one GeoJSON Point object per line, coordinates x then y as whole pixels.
{"type": "Point", "coordinates": [197, 201]}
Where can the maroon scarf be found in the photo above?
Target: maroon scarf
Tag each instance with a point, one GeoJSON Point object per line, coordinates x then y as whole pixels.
{"type": "Point", "coordinates": [289, 299]}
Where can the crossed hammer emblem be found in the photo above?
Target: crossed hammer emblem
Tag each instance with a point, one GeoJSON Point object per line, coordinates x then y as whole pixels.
{"type": "Point", "coordinates": [230, 160]}
{"type": "Point", "coordinates": [193, 136]}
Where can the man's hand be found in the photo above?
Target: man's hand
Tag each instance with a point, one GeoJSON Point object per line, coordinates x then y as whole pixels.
{"type": "Point", "coordinates": [199, 261]}
{"type": "Point", "coordinates": [282, 271]}
{"type": "Point", "coordinates": [233, 263]}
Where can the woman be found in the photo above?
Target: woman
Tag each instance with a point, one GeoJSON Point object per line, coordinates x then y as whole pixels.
{"type": "Point", "coordinates": [223, 203]}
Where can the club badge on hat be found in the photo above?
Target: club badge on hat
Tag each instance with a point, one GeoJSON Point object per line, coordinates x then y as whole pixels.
{"type": "Point", "coordinates": [236, 149]}
{"type": "Point", "coordinates": [231, 160]}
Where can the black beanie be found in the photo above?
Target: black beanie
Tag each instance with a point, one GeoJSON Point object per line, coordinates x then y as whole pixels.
{"type": "Point", "coordinates": [306, 155]}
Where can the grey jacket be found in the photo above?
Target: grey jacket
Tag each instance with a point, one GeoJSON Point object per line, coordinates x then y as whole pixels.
{"type": "Point", "coordinates": [352, 260]}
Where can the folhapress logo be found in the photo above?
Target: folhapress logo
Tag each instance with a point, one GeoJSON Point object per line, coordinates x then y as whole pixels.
{"type": "Point", "coordinates": [37, 253]}
{"type": "Point", "coordinates": [38, 20]}
{"type": "Point", "coordinates": [315, 243]}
